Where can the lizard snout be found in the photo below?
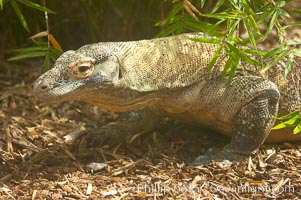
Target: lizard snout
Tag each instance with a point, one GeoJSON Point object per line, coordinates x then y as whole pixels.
{"type": "Point", "coordinates": [40, 87]}
{"type": "Point", "coordinates": [43, 87]}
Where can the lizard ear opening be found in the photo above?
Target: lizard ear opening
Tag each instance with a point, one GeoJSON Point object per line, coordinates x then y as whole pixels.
{"type": "Point", "coordinates": [119, 75]}
{"type": "Point", "coordinates": [120, 72]}
{"type": "Point", "coordinates": [102, 57]}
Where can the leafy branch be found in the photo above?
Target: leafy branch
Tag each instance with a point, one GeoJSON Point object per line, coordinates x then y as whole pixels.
{"type": "Point", "coordinates": [51, 49]}
{"type": "Point", "coordinates": [292, 120]}
{"type": "Point", "coordinates": [226, 20]}
{"type": "Point", "coordinates": [15, 5]}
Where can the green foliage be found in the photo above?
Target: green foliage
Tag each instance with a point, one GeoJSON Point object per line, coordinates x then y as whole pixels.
{"type": "Point", "coordinates": [1, 4]}
{"type": "Point", "coordinates": [15, 5]}
{"type": "Point", "coordinates": [292, 119]}
{"type": "Point", "coordinates": [225, 20]}
{"type": "Point", "coordinates": [39, 49]}
{"type": "Point", "coordinates": [80, 22]}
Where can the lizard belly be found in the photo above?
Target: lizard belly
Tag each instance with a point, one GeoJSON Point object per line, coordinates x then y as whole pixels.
{"type": "Point", "coordinates": [199, 104]}
{"type": "Point", "coordinates": [204, 120]}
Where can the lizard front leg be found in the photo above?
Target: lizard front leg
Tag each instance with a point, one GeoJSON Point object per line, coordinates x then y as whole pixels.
{"type": "Point", "coordinates": [128, 123]}
{"type": "Point", "coordinates": [251, 126]}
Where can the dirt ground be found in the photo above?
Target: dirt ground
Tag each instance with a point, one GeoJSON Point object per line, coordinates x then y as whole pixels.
{"type": "Point", "coordinates": [47, 152]}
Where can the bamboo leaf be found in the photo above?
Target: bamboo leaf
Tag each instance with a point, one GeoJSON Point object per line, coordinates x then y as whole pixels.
{"type": "Point", "coordinates": [275, 51]}
{"type": "Point", "coordinates": [254, 24]}
{"type": "Point", "coordinates": [31, 49]}
{"type": "Point", "coordinates": [207, 40]}
{"type": "Point", "coordinates": [298, 11]}
{"type": "Point", "coordinates": [297, 129]}
{"type": "Point", "coordinates": [54, 43]}
{"type": "Point", "coordinates": [176, 9]}
{"type": "Point", "coordinates": [172, 16]}
{"type": "Point", "coordinates": [247, 7]}
{"type": "Point", "coordinates": [169, 30]}
{"type": "Point", "coordinates": [235, 3]}
{"type": "Point", "coordinates": [249, 30]}
{"type": "Point", "coordinates": [242, 55]}
{"type": "Point", "coordinates": [39, 35]}
{"type": "Point", "coordinates": [54, 53]}
{"type": "Point", "coordinates": [217, 5]}
{"type": "Point", "coordinates": [38, 43]}
{"type": "Point", "coordinates": [235, 62]}
{"type": "Point", "coordinates": [228, 63]}
{"type": "Point", "coordinates": [293, 122]}
{"type": "Point", "coordinates": [19, 15]}
{"type": "Point", "coordinates": [224, 15]}
{"type": "Point", "coordinates": [272, 23]}
{"type": "Point", "coordinates": [203, 3]}
{"type": "Point", "coordinates": [284, 13]}
{"type": "Point", "coordinates": [289, 65]}
{"type": "Point", "coordinates": [28, 55]}
{"type": "Point", "coordinates": [294, 41]}
{"type": "Point", "coordinates": [47, 63]}
{"type": "Point", "coordinates": [255, 52]}
{"type": "Point", "coordinates": [215, 56]}
{"type": "Point", "coordinates": [280, 4]}
{"type": "Point", "coordinates": [191, 9]}
{"type": "Point", "coordinates": [273, 62]}
{"type": "Point", "coordinates": [232, 26]}
{"type": "Point", "coordinates": [35, 6]}
{"type": "Point", "coordinates": [214, 29]}
{"type": "Point", "coordinates": [288, 116]}
{"type": "Point", "coordinates": [265, 15]}
{"type": "Point", "coordinates": [227, 67]}
{"type": "Point", "coordinates": [293, 24]}
{"type": "Point", "coordinates": [200, 26]}
{"type": "Point", "coordinates": [289, 123]}
{"type": "Point", "coordinates": [279, 126]}
{"type": "Point", "coordinates": [296, 52]}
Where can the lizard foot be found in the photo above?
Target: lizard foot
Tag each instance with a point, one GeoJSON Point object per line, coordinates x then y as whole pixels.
{"type": "Point", "coordinates": [107, 135]}
{"type": "Point", "coordinates": [222, 156]}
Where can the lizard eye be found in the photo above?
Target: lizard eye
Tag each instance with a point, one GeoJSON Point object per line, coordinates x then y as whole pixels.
{"type": "Point", "coordinates": [84, 68]}
{"type": "Point", "coordinates": [80, 70]}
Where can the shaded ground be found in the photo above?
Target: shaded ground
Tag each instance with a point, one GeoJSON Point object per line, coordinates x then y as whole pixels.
{"type": "Point", "coordinates": [45, 153]}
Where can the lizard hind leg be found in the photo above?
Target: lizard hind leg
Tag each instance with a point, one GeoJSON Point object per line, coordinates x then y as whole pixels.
{"type": "Point", "coordinates": [251, 127]}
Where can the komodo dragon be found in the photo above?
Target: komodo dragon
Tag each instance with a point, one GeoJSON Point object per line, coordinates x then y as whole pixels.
{"type": "Point", "coordinates": [168, 77]}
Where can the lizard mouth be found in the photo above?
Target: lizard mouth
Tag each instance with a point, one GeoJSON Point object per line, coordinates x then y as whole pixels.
{"type": "Point", "coordinates": [122, 106]}
{"type": "Point", "coordinates": [59, 93]}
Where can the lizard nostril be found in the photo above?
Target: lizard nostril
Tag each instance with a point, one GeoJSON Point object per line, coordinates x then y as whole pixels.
{"type": "Point", "coordinates": [44, 87]}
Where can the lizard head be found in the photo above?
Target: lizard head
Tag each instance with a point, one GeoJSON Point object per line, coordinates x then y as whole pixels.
{"type": "Point", "coordinates": [76, 73]}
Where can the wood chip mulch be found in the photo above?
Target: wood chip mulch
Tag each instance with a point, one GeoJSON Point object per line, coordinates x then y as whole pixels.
{"type": "Point", "coordinates": [46, 153]}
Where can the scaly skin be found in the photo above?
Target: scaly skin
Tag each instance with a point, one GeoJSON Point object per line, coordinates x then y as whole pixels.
{"type": "Point", "coordinates": [149, 79]}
